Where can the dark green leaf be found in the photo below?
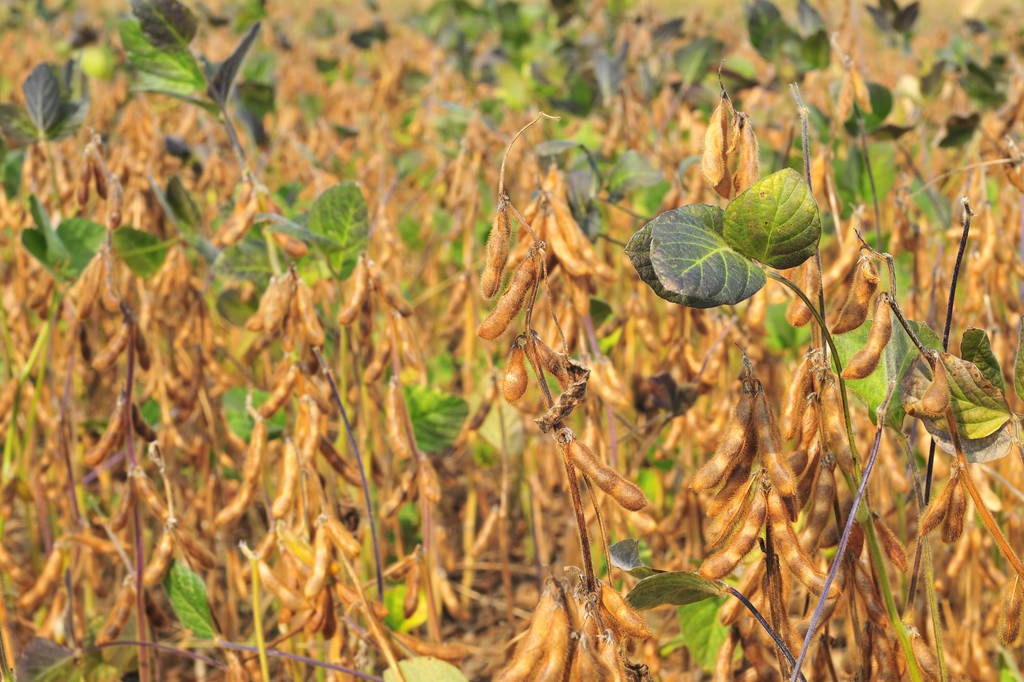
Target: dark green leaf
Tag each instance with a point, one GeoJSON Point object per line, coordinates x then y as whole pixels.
{"type": "Point", "coordinates": [340, 214]}
{"type": "Point", "coordinates": [54, 246]}
{"type": "Point", "coordinates": [881, 106]}
{"type": "Point", "coordinates": [69, 119]}
{"type": "Point", "coordinates": [768, 31]}
{"type": "Point", "coordinates": [185, 211]}
{"type": "Point", "coordinates": [693, 61]}
{"type": "Point", "coordinates": [43, 660]}
{"type": "Point", "coordinates": [1018, 363]}
{"type": "Point", "coordinates": [256, 97]}
{"type": "Point", "coordinates": [975, 347]}
{"type": "Point", "coordinates": [17, 125]}
{"type": "Point", "coordinates": [167, 24]}
{"type": "Point", "coordinates": [245, 260]}
{"type": "Point", "coordinates": [436, 416]}
{"type": "Point", "coordinates": [187, 594]}
{"type": "Point", "coordinates": [907, 16]}
{"type": "Point", "coordinates": [675, 587]}
{"type": "Point", "coordinates": [81, 239]}
{"type": "Point", "coordinates": [813, 52]}
{"type": "Point", "coordinates": [14, 159]}
{"type": "Point", "coordinates": [141, 251]}
{"type": "Point", "coordinates": [174, 73]}
{"type": "Point", "coordinates": [631, 170]}
{"type": "Point", "coordinates": [960, 130]}
{"type": "Point", "coordinates": [774, 221]}
{"type": "Point", "coordinates": [425, 669]}
{"type": "Point", "coordinates": [702, 632]}
{"type": "Point", "coordinates": [42, 97]}
{"type": "Point", "coordinates": [681, 255]}
{"type": "Point", "coordinates": [220, 87]}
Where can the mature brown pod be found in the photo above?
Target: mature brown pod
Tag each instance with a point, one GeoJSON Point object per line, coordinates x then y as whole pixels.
{"type": "Point", "coordinates": [498, 244]}
{"type": "Point", "coordinates": [935, 399]}
{"type": "Point", "coordinates": [748, 169]}
{"type": "Point", "coordinates": [769, 444]}
{"type": "Point", "coordinates": [628, 494]}
{"type": "Point", "coordinates": [935, 512]}
{"type": "Point", "coordinates": [792, 552]}
{"type": "Point", "coordinates": [722, 562]}
{"type": "Point", "coordinates": [313, 331]}
{"type": "Point", "coordinates": [798, 314]}
{"type": "Point", "coordinates": [514, 384]}
{"type": "Point", "coordinates": [726, 455]}
{"type": "Point", "coordinates": [956, 511]}
{"type": "Point", "coordinates": [512, 301]}
{"type": "Point", "coordinates": [119, 615]}
{"type": "Point", "coordinates": [111, 439]}
{"type": "Point", "coordinates": [855, 309]}
{"type": "Point", "coordinates": [821, 505]}
{"type": "Point", "coordinates": [159, 561]}
{"type": "Point", "coordinates": [106, 358]}
{"type": "Point", "coordinates": [549, 628]}
{"type": "Point", "coordinates": [864, 361]}
{"type": "Point", "coordinates": [620, 616]}
{"type": "Point", "coordinates": [800, 386]}
{"type": "Point", "coordinates": [1012, 616]}
{"type": "Point", "coordinates": [357, 297]}
{"type": "Point", "coordinates": [713, 160]}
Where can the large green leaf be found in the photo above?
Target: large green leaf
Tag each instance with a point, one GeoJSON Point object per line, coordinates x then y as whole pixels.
{"type": "Point", "coordinates": [141, 251]}
{"type": "Point", "coordinates": [66, 251]}
{"type": "Point", "coordinates": [675, 587]}
{"type": "Point", "coordinates": [42, 97]}
{"type": "Point", "coordinates": [436, 416]}
{"type": "Point", "coordinates": [768, 30]}
{"type": "Point", "coordinates": [979, 407]}
{"type": "Point", "coordinates": [702, 632]}
{"type": "Point", "coordinates": [187, 594]}
{"type": "Point", "coordinates": [167, 24]}
{"type": "Point", "coordinates": [174, 73]}
{"type": "Point", "coordinates": [774, 221]}
{"type": "Point", "coordinates": [681, 255]}
{"type": "Point", "coordinates": [975, 347]}
{"type": "Point", "coordinates": [220, 86]}
{"type": "Point", "coordinates": [341, 215]}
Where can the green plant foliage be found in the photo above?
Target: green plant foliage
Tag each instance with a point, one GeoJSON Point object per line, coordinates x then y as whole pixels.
{"type": "Point", "coordinates": [167, 24]}
{"type": "Point", "coordinates": [425, 669]}
{"type": "Point", "coordinates": [775, 221]}
{"type": "Point", "coordinates": [1018, 363]}
{"type": "Point", "coordinates": [237, 415]}
{"type": "Point", "coordinates": [187, 594]}
{"type": "Point", "coordinates": [173, 73]}
{"type": "Point", "coordinates": [436, 416]}
{"type": "Point", "coordinates": [701, 632]}
{"type": "Point", "coordinates": [683, 257]}
{"type": "Point", "coordinates": [142, 252]}
{"type": "Point", "coordinates": [66, 251]}
{"type": "Point", "coordinates": [673, 587]}
{"type": "Point", "coordinates": [975, 347]}
{"type": "Point", "coordinates": [340, 215]}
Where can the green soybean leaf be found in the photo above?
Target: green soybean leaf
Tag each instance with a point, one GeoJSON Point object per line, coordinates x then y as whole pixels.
{"type": "Point", "coordinates": [220, 86]}
{"type": "Point", "coordinates": [774, 221]}
{"type": "Point", "coordinates": [245, 260]}
{"type": "Point", "coordinates": [975, 347]}
{"type": "Point", "coordinates": [681, 255]}
{"type": "Point", "coordinates": [167, 24]}
{"type": "Point", "coordinates": [81, 239]}
{"type": "Point", "coordinates": [42, 97]}
{"type": "Point", "coordinates": [294, 228]}
{"type": "Point", "coordinates": [979, 407]}
{"type": "Point", "coordinates": [340, 214]}
{"type": "Point", "coordinates": [236, 412]}
{"type": "Point", "coordinates": [184, 208]}
{"type": "Point", "coordinates": [436, 416]}
{"type": "Point", "coordinates": [187, 593]}
{"type": "Point", "coordinates": [141, 251]}
{"type": "Point", "coordinates": [174, 73]}
{"type": "Point", "coordinates": [424, 669]}
{"type": "Point", "coordinates": [701, 631]}
{"type": "Point", "coordinates": [768, 31]}
{"type": "Point", "coordinates": [17, 125]}
{"type": "Point", "coordinates": [693, 60]}
{"type": "Point", "coordinates": [673, 587]}
{"type": "Point", "coordinates": [1018, 364]}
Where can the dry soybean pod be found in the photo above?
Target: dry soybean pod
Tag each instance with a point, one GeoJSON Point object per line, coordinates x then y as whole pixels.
{"type": "Point", "coordinates": [549, 616]}
{"type": "Point", "coordinates": [289, 481]}
{"type": "Point", "coordinates": [558, 645]}
{"type": "Point", "coordinates": [343, 540]}
{"type": "Point", "coordinates": [513, 386]}
{"type": "Point", "coordinates": [106, 358]}
{"type": "Point", "coordinates": [797, 313]}
{"type": "Point", "coordinates": [935, 399]}
{"type": "Point", "coordinates": [159, 560]}
{"type": "Point", "coordinates": [321, 564]}
{"type": "Point", "coordinates": [141, 426]}
{"type": "Point", "coordinates": [1012, 615]}
{"type": "Point", "coordinates": [722, 562]}
{"type": "Point", "coordinates": [769, 444]}
{"type": "Point", "coordinates": [792, 552]}
{"type": "Point", "coordinates": [45, 582]}
{"type": "Point", "coordinates": [712, 165]}
{"type": "Point", "coordinates": [195, 549]}
{"type": "Point", "coordinates": [119, 615]}
{"type": "Point", "coordinates": [729, 447]}
{"type": "Point", "coordinates": [512, 301]}
{"type": "Point", "coordinates": [412, 590]}
{"type": "Point", "coordinates": [288, 597]}
{"type": "Point", "coordinates": [956, 511]}
{"type": "Point", "coordinates": [391, 294]}
{"type": "Point", "coordinates": [935, 512]}
{"type": "Point", "coordinates": [855, 309]}
{"type": "Point", "coordinates": [800, 386]}
{"type": "Point", "coordinates": [866, 359]}
{"type": "Point", "coordinates": [394, 413]}
{"type": "Point", "coordinates": [111, 439]}
{"type": "Point", "coordinates": [498, 244]}
{"type": "Point", "coordinates": [279, 396]}
{"type": "Point", "coordinates": [628, 494]}
{"type": "Point", "coordinates": [821, 504]}
{"type": "Point", "coordinates": [620, 616]}
{"type": "Point", "coordinates": [357, 297]}
{"type": "Point", "coordinates": [313, 331]}
{"type": "Point", "coordinates": [748, 167]}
